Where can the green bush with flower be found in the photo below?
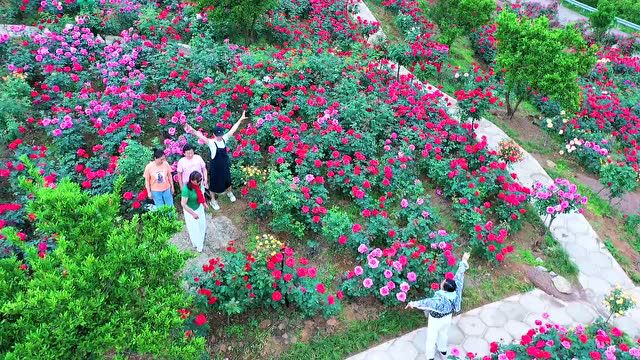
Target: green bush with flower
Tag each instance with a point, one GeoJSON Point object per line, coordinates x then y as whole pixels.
{"type": "Point", "coordinates": [105, 287]}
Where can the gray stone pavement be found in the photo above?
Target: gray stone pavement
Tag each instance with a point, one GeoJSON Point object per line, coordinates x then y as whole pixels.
{"type": "Point", "coordinates": [503, 321]}
{"type": "Point", "coordinates": [598, 273]}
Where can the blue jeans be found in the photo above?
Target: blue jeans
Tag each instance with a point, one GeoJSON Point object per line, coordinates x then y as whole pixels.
{"type": "Point", "coordinates": [161, 198]}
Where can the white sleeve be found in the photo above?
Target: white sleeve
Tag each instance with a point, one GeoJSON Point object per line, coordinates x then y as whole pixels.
{"type": "Point", "coordinates": [225, 137]}
{"type": "Point", "coordinates": [212, 147]}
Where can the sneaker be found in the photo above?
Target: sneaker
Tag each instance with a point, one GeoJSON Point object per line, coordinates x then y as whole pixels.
{"type": "Point", "coordinates": [232, 197]}
{"type": "Point", "coordinates": [214, 204]}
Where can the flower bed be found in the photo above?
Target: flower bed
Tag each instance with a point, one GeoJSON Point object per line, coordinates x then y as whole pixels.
{"type": "Point", "coordinates": [552, 341]}
{"type": "Point", "coordinates": [330, 124]}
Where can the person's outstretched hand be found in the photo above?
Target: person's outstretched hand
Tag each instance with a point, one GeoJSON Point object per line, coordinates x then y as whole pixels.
{"type": "Point", "coordinates": [187, 128]}
{"type": "Point", "coordinates": [465, 257]}
{"type": "Point", "coordinates": [408, 306]}
{"type": "Point", "coordinates": [243, 115]}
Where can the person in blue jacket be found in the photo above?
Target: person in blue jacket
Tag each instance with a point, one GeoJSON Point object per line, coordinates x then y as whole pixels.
{"type": "Point", "coordinates": [440, 308]}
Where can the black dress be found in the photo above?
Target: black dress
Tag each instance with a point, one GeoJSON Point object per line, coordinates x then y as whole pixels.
{"type": "Point", "coordinates": [220, 170]}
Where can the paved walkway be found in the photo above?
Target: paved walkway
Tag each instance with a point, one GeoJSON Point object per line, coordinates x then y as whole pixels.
{"type": "Point", "coordinates": [473, 331]}
{"type": "Point", "coordinates": [598, 272]}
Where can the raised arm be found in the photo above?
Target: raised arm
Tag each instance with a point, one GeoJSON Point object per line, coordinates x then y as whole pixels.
{"type": "Point", "coordinates": [424, 304]}
{"type": "Point", "coordinates": [189, 130]}
{"type": "Point", "coordinates": [235, 126]}
{"type": "Point", "coordinates": [459, 279]}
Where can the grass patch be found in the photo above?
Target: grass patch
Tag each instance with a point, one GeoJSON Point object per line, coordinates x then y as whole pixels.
{"type": "Point", "coordinates": [529, 108]}
{"type": "Point", "coordinates": [358, 336]}
{"type": "Point", "coordinates": [526, 256]}
{"type": "Point", "coordinates": [558, 260]}
{"type": "Point", "coordinates": [249, 334]}
{"type": "Point", "coordinates": [529, 146]}
{"type": "Point", "coordinates": [623, 261]}
{"type": "Point", "coordinates": [387, 20]}
{"type": "Point", "coordinates": [461, 54]}
{"type": "Point", "coordinates": [491, 289]}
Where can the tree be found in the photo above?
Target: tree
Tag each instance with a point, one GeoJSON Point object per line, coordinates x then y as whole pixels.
{"type": "Point", "coordinates": [602, 20]}
{"type": "Point", "coordinates": [106, 287]}
{"type": "Point", "coordinates": [537, 58]}
{"type": "Point", "coordinates": [231, 17]}
{"type": "Point", "coordinates": [458, 17]}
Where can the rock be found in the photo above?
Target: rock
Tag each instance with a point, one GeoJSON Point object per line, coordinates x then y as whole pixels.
{"type": "Point", "coordinates": [265, 324]}
{"type": "Point", "coordinates": [552, 274]}
{"type": "Point", "coordinates": [551, 164]}
{"type": "Point", "coordinates": [293, 340]}
{"type": "Point", "coordinates": [539, 260]}
{"type": "Point", "coordinates": [542, 268]}
{"type": "Point", "coordinates": [563, 285]}
{"type": "Point", "coordinates": [281, 326]}
{"type": "Point", "coordinates": [305, 335]}
{"type": "Point", "coordinates": [332, 322]}
{"type": "Point", "coordinates": [309, 323]}
{"type": "Point", "coordinates": [285, 336]}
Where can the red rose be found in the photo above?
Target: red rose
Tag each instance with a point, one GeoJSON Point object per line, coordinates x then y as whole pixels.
{"type": "Point", "coordinates": [435, 286]}
{"type": "Point", "coordinates": [449, 276]}
{"type": "Point", "coordinates": [128, 195]}
{"type": "Point", "coordinates": [287, 277]}
{"type": "Point", "coordinates": [583, 338]}
{"type": "Point", "coordinates": [136, 205]}
{"type": "Point", "coordinates": [616, 332]}
{"type": "Point", "coordinates": [276, 296]}
{"type": "Point", "coordinates": [290, 262]}
{"type": "Point", "coordinates": [493, 347]}
{"type": "Point", "coordinates": [340, 295]}
{"type": "Point", "coordinates": [331, 300]}
{"type": "Point", "coordinates": [200, 320]}
{"type": "Point", "coordinates": [595, 355]}
{"type": "Point", "coordinates": [320, 288]}
{"type": "Point", "coordinates": [510, 354]}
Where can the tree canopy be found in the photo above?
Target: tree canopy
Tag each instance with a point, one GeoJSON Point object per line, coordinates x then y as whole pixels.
{"type": "Point", "coordinates": [538, 58]}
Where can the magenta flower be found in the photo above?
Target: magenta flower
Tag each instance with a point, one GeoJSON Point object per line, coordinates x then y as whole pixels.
{"type": "Point", "coordinates": [404, 286]}
{"type": "Point", "coordinates": [384, 291]}
{"type": "Point", "coordinates": [367, 283]}
{"type": "Point", "coordinates": [362, 248]}
{"type": "Point", "coordinates": [373, 263]}
{"type": "Point", "coordinates": [401, 296]}
{"type": "Point", "coordinates": [358, 270]}
{"type": "Point", "coordinates": [404, 203]}
{"type": "Point", "coordinates": [388, 274]}
{"type": "Point", "coordinates": [412, 276]}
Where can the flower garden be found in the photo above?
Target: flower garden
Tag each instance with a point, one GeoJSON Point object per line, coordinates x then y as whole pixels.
{"type": "Point", "coordinates": [359, 187]}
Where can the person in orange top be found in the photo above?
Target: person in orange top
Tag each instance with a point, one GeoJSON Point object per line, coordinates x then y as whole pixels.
{"type": "Point", "coordinates": [158, 180]}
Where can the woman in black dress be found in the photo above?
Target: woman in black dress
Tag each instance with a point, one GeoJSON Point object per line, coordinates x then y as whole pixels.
{"type": "Point", "coordinates": [220, 164]}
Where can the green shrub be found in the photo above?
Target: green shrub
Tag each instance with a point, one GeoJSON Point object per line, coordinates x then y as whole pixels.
{"type": "Point", "coordinates": [108, 286]}
{"type": "Point", "coordinates": [603, 19]}
{"type": "Point", "coordinates": [131, 164]}
{"type": "Point", "coordinates": [619, 179]}
{"type": "Point", "coordinates": [15, 103]}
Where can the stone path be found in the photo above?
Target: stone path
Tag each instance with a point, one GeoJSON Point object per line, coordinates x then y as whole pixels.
{"type": "Point", "coordinates": [598, 271]}
{"type": "Point", "coordinates": [220, 231]}
{"type": "Point", "coordinates": [502, 321]}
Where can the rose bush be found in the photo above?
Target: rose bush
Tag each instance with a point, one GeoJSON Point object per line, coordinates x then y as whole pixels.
{"type": "Point", "coordinates": [552, 341]}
